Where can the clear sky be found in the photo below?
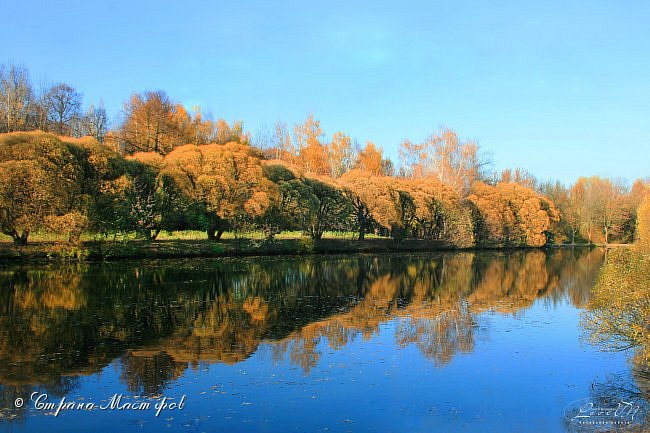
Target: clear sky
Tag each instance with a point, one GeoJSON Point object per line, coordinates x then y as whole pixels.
{"type": "Point", "coordinates": [561, 88]}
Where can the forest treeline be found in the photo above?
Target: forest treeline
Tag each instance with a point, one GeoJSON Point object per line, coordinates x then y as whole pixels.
{"type": "Point", "coordinates": [69, 170]}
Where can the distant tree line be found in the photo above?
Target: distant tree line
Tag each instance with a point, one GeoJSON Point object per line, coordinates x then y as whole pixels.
{"type": "Point", "coordinates": [162, 168]}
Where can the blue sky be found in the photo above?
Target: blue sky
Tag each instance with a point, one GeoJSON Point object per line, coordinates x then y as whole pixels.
{"type": "Point", "coordinates": [560, 88]}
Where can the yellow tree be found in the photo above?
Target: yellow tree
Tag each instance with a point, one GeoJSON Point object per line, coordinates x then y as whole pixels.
{"type": "Point", "coordinates": [226, 133]}
{"type": "Point", "coordinates": [643, 223]}
{"type": "Point", "coordinates": [153, 123]}
{"type": "Point", "coordinates": [533, 213]}
{"type": "Point", "coordinates": [438, 212]}
{"type": "Point", "coordinates": [16, 98]}
{"type": "Point", "coordinates": [228, 180]}
{"type": "Point", "coordinates": [618, 315]}
{"type": "Point", "coordinates": [519, 175]}
{"type": "Point", "coordinates": [493, 219]}
{"type": "Point", "coordinates": [370, 159]}
{"type": "Point", "coordinates": [606, 204]}
{"type": "Point", "coordinates": [39, 180]}
{"type": "Point", "coordinates": [340, 154]}
{"type": "Point", "coordinates": [312, 154]}
{"type": "Point", "coordinates": [373, 199]}
{"type": "Point", "coordinates": [201, 130]}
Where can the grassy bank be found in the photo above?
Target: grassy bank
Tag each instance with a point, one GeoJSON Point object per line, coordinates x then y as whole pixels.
{"type": "Point", "coordinates": [49, 247]}
{"type": "Point", "coordinates": [176, 248]}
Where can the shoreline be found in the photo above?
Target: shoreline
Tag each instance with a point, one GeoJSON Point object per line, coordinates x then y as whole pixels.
{"type": "Point", "coordinates": [93, 251]}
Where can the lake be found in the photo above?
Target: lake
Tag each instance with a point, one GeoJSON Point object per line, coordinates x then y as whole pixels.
{"type": "Point", "coordinates": [455, 341]}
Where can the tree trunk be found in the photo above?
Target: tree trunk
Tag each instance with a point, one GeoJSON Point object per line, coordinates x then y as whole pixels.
{"type": "Point", "coordinates": [153, 235]}
{"type": "Point", "coordinates": [361, 220]}
{"type": "Point", "coordinates": [21, 239]}
{"type": "Point", "coordinates": [316, 232]}
{"type": "Point", "coordinates": [219, 234]}
{"type": "Point", "coordinates": [606, 235]}
{"type": "Point", "coordinates": [211, 233]}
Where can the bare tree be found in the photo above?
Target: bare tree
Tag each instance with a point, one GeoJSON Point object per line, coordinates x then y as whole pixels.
{"type": "Point", "coordinates": [95, 122]}
{"type": "Point", "coordinates": [445, 157]}
{"type": "Point", "coordinates": [63, 104]}
{"type": "Point", "coordinates": [15, 97]}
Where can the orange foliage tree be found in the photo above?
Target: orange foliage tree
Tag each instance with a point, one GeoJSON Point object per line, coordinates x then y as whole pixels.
{"type": "Point", "coordinates": [511, 214]}
{"type": "Point", "coordinates": [341, 155]}
{"type": "Point", "coordinates": [153, 123]}
{"type": "Point", "coordinates": [40, 179]}
{"type": "Point", "coordinates": [373, 199]}
{"type": "Point", "coordinates": [312, 153]}
{"type": "Point", "coordinates": [438, 212]}
{"type": "Point", "coordinates": [643, 223]}
{"type": "Point", "coordinates": [226, 180]}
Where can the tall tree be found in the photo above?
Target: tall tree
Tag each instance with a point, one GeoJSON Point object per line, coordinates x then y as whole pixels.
{"type": "Point", "coordinates": [63, 104]}
{"type": "Point", "coordinates": [341, 154]}
{"type": "Point", "coordinates": [371, 160]}
{"type": "Point", "coordinates": [39, 178]}
{"type": "Point", "coordinates": [604, 206]}
{"type": "Point", "coordinates": [202, 129]}
{"type": "Point", "coordinates": [374, 200]}
{"type": "Point", "coordinates": [226, 180]}
{"type": "Point", "coordinates": [95, 122]}
{"type": "Point", "coordinates": [152, 122]}
{"type": "Point", "coordinates": [643, 224]}
{"type": "Point", "coordinates": [520, 176]}
{"type": "Point", "coordinates": [446, 157]}
{"type": "Point", "coordinates": [312, 154]}
{"type": "Point", "coordinates": [16, 97]}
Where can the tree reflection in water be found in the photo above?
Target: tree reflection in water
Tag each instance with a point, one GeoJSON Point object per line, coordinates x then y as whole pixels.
{"type": "Point", "coordinates": [161, 318]}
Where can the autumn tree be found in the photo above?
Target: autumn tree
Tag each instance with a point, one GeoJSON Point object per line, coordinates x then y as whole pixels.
{"type": "Point", "coordinates": [153, 123]}
{"type": "Point", "coordinates": [227, 180]}
{"type": "Point", "coordinates": [373, 198]}
{"type": "Point", "coordinates": [312, 153]}
{"type": "Point", "coordinates": [294, 206]}
{"type": "Point", "coordinates": [39, 178]}
{"type": "Point", "coordinates": [618, 315]}
{"type": "Point", "coordinates": [446, 157]}
{"type": "Point", "coordinates": [202, 129]}
{"type": "Point", "coordinates": [604, 207]}
{"type": "Point", "coordinates": [154, 199]}
{"type": "Point", "coordinates": [371, 160]}
{"type": "Point", "coordinates": [16, 98]}
{"type": "Point", "coordinates": [520, 176]}
{"type": "Point", "coordinates": [226, 133]}
{"type": "Point", "coordinates": [340, 154]}
{"type": "Point", "coordinates": [276, 143]}
{"type": "Point", "coordinates": [643, 223]}
{"type": "Point", "coordinates": [493, 219]}
{"type": "Point", "coordinates": [331, 209]}
{"type": "Point", "coordinates": [533, 213]}
{"type": "Point", "coordinates": [568, 204]}
{"type": "Point", "coordinates": [95, 122]}
{"type": "Point", "coordinates": [437, 211]}
{"type": "Point", "coordinates": [511, 214]}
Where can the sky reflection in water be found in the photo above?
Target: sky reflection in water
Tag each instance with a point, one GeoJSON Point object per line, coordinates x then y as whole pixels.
{"type": "Point", "coordinates": [466, 341]}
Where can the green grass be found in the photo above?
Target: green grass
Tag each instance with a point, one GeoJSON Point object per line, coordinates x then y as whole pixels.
{"type": "Point", "coordinates": [186, 235]}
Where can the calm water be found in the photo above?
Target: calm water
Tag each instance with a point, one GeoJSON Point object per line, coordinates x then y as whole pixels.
{"type": "Point", "coordinates": [475, 342]}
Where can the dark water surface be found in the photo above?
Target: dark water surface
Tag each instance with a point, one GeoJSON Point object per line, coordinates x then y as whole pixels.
{"type": "Point", "coordinates": [475, 342]}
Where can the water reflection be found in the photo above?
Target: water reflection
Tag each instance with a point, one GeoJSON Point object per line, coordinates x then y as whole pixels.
{"type": "Point", "coordinates": [161, 318]}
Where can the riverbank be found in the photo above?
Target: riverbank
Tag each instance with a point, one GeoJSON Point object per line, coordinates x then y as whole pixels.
{"type": "Point", "coordinates": [138, 249]}
{"type": "Point", "coordinates": [180, 248]}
